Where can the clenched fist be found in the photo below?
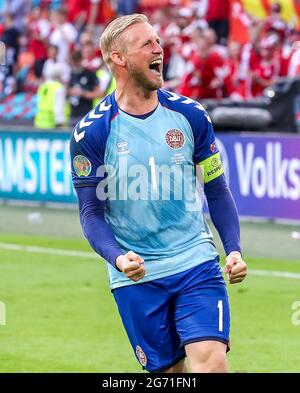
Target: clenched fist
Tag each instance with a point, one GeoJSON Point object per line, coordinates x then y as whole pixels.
{"type": "Point", "coordinates": [132, 265]}
{"type": "Point", "coordinates": [235, 267]}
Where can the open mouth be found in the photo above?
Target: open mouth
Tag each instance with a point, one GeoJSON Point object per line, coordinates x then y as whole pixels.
{"type": "Point", "coordinates": [155, 66]}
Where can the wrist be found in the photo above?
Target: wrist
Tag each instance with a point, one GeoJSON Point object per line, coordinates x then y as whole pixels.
{"type": "Point", "coordinates": [235, 253]}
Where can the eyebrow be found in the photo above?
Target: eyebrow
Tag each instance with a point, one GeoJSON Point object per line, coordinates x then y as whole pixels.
{"type": "Point", "coordinates": [157, 39]}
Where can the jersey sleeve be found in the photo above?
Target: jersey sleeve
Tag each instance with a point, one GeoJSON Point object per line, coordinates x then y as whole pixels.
{"type": "Point", "coordinates": [206, 152]}
{"type": "Point", "coordinates": [87, 149]}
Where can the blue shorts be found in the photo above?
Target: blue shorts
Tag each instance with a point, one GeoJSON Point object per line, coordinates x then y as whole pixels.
{"type": "Point", "coordinates": [162, 316]}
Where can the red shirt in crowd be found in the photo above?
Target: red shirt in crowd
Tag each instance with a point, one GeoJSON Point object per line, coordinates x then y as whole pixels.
{"type": "Point", "coordinates": [234, 83]}
{"type": "Point", "coordinates": [263, 74]}
{"type": "Point", "coordinates": [217, 10]}
{"type": "Point", "coordinates": [205, 81]}
{"type": "Point", "coordinates": [78, 7]}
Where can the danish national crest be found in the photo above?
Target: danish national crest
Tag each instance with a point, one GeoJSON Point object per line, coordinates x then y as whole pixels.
{"type": "Point", "coordinates": [175, 138]}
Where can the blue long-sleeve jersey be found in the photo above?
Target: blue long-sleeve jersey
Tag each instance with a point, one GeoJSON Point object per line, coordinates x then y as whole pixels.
{"type": "Point", "coordinates": [137, 186]}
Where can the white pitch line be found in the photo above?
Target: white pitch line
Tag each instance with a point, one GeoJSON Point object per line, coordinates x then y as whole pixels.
{"type": "Point", "coordinates": [45, 250]}
{"type": "Point", "coordinates": [271, 273]}
{"type": "Point", "coordinates": [86, 254]}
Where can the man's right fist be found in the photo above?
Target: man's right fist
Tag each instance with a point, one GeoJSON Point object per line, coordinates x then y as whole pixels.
{"type": "Point", "coordinates": [132, 265]}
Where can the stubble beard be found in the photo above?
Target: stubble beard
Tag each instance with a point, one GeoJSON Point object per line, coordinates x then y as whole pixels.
{"type": "Point", "coordinates": [143, 82]}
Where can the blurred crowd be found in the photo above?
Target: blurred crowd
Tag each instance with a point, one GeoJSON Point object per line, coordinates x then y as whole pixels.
{"type": "Point", "coordinates": [58, 40]}
{"type": "Point", "coordinates": [203, 62]}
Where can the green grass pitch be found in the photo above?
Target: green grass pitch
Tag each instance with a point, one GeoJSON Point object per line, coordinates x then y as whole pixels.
{"type": "Point", "coordinates": [61, 317]}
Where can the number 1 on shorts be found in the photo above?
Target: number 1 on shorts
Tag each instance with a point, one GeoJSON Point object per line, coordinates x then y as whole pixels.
{"type": "Point", "coordinates": [220, 307]}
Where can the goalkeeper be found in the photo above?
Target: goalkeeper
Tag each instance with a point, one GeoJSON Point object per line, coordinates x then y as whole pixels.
{"type": "Point", "coordinates": [163, 265]}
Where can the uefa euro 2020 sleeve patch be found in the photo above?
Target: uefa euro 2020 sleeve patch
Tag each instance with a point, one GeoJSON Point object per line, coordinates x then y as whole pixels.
{"type": "Point", "coordinates": [82, 166]}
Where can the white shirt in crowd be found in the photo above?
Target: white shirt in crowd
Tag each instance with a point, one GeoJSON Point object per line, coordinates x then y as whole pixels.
{"type": "Point", "coordinates": [49, 66]}
{"type": "Point", "coordinates": [63, 37]}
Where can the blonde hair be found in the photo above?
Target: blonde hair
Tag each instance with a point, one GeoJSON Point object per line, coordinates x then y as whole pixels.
{"type": "Point", "coordinates": [110, 36]}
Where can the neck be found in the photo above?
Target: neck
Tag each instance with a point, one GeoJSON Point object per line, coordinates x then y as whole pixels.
{"type": "Point", "coordinates": [135, 100]}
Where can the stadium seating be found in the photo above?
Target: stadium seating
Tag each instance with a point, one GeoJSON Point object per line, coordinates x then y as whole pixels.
{"type": "Point", "coordinates": [18, 106]}
{"type": "Point", "coordinates": [53, 4]}
{"type": "Point", "coordinates": [278, 110]}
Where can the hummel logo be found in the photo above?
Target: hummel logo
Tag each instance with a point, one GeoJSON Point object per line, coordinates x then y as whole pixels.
{"type": "Point", "coordinates": [104, 107]}
{"type": "Point", "coordinates": [176, 97]}
{"type": "Point", "coordinates": [79, 136]}
{"type": "Point", "coordinates": [89, 119]}
{"type": "Point", "coordinates": [123, 148]}
{"type": "Point", "coordinates": [84, 123]}
{"type": "Point", "coordinates": [208, 118]}
{"type": "Point", "coordinates": [93, 115]}
{"type": "Point", "coordinates": [188, 101]}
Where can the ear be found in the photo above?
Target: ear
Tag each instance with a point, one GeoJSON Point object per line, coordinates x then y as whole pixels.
{"type": "Point", "coordinates": [118, 58]}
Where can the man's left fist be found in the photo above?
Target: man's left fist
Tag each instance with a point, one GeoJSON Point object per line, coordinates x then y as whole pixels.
{"type": "Point", "coordinates": [235, 267]}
